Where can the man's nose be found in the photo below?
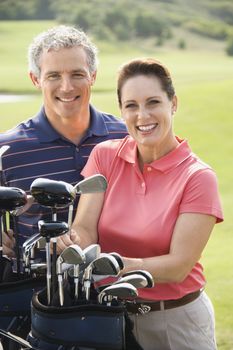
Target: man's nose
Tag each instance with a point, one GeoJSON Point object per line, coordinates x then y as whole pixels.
{"type": "Point", "coordinates": [66, 84]}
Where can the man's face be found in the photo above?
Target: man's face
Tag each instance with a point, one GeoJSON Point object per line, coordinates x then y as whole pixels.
{"type": "Point", "coordinates": [65, 82]}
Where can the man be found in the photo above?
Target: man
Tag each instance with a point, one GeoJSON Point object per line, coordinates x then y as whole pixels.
{"type": "Point", "coordinates": [56, 143]}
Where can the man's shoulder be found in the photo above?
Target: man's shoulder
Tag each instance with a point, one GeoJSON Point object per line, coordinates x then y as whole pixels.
{"type": "Point", "coordinates": [112, 122]}
{"type": "Point", "coordinates": [20, 130]}
{"type": "Point", "coordinates": [112, 118]}
{"type": "Point", "coordinates": [20, 136]}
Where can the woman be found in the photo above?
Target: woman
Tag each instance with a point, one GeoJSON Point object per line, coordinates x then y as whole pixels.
{"type": "Point", "coordinates": [158, 212]}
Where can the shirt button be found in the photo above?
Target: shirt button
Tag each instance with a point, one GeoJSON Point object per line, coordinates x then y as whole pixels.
{"type": "Point", "coordinates": [149, 168]}
{"type": "Point", "coordinates": [143, 184]}
{"type": "Point", "coordinates": [77, 149]}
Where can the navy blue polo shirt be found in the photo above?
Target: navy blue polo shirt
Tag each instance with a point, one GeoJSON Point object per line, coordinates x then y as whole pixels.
{"type": "Point", "coordinates": [38, 150]}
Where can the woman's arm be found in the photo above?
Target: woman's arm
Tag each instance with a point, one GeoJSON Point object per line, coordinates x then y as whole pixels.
{"type": "Point", "coordinates": [84, 228]}
{"type": "Point", "coordinates": [190, 236]}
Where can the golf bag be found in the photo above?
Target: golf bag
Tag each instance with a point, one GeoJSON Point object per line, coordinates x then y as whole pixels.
{"type": "Point", "coordinates": [87, 325]}
{"type": "Point", "coordinates": [15, 307]}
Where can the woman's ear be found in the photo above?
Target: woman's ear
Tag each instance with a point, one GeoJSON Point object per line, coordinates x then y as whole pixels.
{"type": "Point", "coordinates": [174, 104]}
{"type": "Point", "coordinates": [35, 80]}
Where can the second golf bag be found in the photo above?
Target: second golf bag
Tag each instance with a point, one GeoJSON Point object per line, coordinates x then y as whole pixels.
{"type": "Point", "coordinates": [15, 307]}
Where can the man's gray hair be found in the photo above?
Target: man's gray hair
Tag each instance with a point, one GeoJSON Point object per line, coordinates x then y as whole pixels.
{"type": "Point", "coordinates": [60, 37]}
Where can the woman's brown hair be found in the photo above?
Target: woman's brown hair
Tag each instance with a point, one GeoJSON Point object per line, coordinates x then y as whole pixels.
{"type": "Point", "coordinates": [145, 66]}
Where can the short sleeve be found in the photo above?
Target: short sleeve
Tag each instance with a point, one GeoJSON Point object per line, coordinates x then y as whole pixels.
{"type": "Point", "coordinates": [201, 195]}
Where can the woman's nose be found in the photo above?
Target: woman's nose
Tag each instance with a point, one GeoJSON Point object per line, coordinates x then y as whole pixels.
{"type": "Point", "coordinates": [143, 112]}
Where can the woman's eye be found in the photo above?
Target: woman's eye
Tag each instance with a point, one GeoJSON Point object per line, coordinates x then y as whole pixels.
{"type": "Point", "coordinates": [130, 105]}
{"type": "Point", "coordinates": [153, 102]}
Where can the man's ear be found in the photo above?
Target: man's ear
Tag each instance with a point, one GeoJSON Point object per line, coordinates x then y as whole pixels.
{"type": "Point", "coordinates": [93, 78]}
{"type": "Point", "coordinates": [35, 80]}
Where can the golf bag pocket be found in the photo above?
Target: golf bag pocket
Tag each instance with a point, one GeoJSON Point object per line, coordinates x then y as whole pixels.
{"type": "Point", "coordinates": [86, 325]}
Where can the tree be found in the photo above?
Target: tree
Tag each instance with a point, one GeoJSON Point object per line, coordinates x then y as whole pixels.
{"type": "Point", "coordinates": [229, 48]}
{"type": "Point", "coordinates": [148, 25]}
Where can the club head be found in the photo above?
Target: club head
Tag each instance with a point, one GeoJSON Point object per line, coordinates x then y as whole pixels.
{"type": "Point", "coordinates": [91, 253]}
{"type": "Point", "coordinates": [121, 291]}
{"type": "Point", "coordinates": [41, 243]}
{"type": "Point", "coordinates": [106, 264]}
{"type": "Point", "coordinates": [118, 259]}
{"type": "Point", "coordinates": [70, 255]}
{"type": "Point", "coordinates": [12, 198]}
{"type": "Point", "coordinates": [50, 229]}
{"type": "Point", "coordinates": [92, 184]}
{"type": "Point", "coordinates": [51, 193]}
{"type": "Point", "coordinates": [31, 241]}
{"type": "Point", "coordinates": [39, 268]}
{"type": "Point", "coordinates": [146, 274]}
{"type": "Point", "coordinates": [137, 280]}
{"type": "Point", "coordinates": [35, 241]}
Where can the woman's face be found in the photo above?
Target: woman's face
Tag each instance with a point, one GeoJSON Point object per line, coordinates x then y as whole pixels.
{"type": "Point", "coordinates": [147, 111]}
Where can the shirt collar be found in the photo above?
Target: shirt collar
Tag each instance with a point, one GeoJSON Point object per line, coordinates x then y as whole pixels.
{"type": "Point", "coordinates": [97, 126]}
{"type": "Point", "coordinates": [46, 133]}
{"type": "Point", "coordinates": [128, 152]}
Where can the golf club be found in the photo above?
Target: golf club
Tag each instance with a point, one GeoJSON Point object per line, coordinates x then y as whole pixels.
{"type": "Point", "coordinates": [11, 198]}
{"type": "Point", "coordinates": [49, 230]}
{"type": "Point", "coordinates": [121, 290]}
{"type": "Point", "coordinates": [71, 255]}
{"type": "Point", "coordinates": [144, 273]}
{"type": "Point", "coordinates": [28, 248]}
{"type": "Point", "coordinates": [137, 280]}
{"type": "Point", "coordinates": [106, 264]}
{"type": "Point", "coordinates": [51, 193]}
{"type": "Point", "coordinates": [92, 184]}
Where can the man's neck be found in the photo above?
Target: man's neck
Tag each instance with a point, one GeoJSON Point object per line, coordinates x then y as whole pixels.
{"type": "Point", "coordinates": [72, 128]}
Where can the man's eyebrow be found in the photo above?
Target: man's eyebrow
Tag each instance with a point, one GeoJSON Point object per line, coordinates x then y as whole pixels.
{"type": "Point", "coordinates": [51, 72]}
{"type": "Point", "coordinates": [78, 70]}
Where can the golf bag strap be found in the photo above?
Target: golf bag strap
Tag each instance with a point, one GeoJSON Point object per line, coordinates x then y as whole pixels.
{"type": "Point", "coordinates": [16, 339]}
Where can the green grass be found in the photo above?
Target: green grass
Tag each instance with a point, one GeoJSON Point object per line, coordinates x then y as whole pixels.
{"type": "Point", "coordinates": [204, 87]}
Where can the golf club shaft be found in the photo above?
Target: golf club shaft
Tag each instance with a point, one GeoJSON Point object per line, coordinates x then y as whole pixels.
{"type": "Point", "coordinates": [54, 261]}
{"type": "Point", "coordinates": [48, 274]}
{"type": "Point", "coordinates": [60, 289]}
{"type": "Point", "coordinates": [16, 245]}
{"type": "Point", "coordinates": [76, 281]}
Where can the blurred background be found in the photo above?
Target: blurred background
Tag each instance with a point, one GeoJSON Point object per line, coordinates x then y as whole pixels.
{"type": "Point", "coordinates": [195, 40]}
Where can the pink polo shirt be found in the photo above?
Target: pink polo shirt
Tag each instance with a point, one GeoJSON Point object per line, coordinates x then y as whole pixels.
{"type": "Point", "coordinates": [141, 209]}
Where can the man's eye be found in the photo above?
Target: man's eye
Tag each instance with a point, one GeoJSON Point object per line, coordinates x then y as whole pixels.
{"type": "Point", "coordinates": [53, 77]}
{"type": "Point", "coordinates": [78, 75]}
